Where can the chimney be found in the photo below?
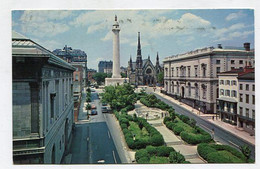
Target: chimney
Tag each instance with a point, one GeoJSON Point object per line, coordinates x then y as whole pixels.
{"type": "Point", "coordinates": [219, 46]}
{"type": "Point", "coordinates": [247, 46]}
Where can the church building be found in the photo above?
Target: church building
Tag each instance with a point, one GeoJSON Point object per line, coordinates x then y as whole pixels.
{"type": "Point", "coordinates": [143, 72]}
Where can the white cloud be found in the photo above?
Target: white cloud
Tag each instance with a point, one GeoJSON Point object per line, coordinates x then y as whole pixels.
{"type": "Point", "coordinates": [44, 23]}
{"type": "Point", "coordinates": [48, 44]}
{"type": "Point", "coordinates": [151, 23]}
{"type": "Point", "coordinates": [234, 16]}
{"type": "Point", "coordinates": [231, 32]}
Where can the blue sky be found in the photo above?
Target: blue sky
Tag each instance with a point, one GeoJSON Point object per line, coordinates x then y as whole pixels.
{"type": "Point", "coordinates": [167, 31]}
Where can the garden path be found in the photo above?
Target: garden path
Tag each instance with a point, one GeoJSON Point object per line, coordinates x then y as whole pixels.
{"type": "Point", "coordinates": [172, 140]}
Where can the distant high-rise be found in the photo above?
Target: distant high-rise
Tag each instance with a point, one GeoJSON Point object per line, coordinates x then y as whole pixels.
{"type": "Point", "coordinates": [105, 66]}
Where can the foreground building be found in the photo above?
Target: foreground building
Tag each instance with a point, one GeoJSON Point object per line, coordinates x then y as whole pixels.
{"type": "Point", "coordinates": [42, 103]}
{"type": "Point", "coordinates": [236, 102]}
{"type": "Point", "coordinates": [143, 72]}
{"type": "Point", "coordinates": [192, 76]}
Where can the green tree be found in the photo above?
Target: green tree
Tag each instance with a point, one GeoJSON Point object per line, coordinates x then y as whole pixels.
{"type": "Point", "coordinates": [123, 75]}
{"type": "Point", "coordinates": [160, 77]}
{"type": "Point", "coordinates": [100, 77]}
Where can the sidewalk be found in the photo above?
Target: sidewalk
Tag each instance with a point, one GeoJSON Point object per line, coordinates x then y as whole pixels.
{"type": "Point", "coordinates": [232, 129]}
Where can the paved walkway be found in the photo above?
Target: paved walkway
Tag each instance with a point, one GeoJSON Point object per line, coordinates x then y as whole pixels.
{"type": "Point", "coordinates": [233, 129]}
{"type": "Point", "coordinates": [172, 140]}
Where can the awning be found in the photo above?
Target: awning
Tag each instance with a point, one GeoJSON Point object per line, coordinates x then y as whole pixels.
{"type": "Point", "coordinates": [227, 99]}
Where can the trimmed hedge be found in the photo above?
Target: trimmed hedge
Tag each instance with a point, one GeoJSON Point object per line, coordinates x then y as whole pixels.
{"type": "Point", "coordinates": [215, 153]}
{"type": "Point", "coordinates": [194, 139]}
{"type": "Point", "coordinates": [152, 101]}
{"type": "Point", "coordinates": [156, 155]}
{"type": "Point", "coordinates": [155, 139]}
{"type": "Point", "coordinates": [188, 131]}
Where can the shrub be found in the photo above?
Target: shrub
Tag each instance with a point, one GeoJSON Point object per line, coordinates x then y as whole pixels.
{"type": "Point", "coordinates": [192, 138]}
{"type": "Point", "coordinates": [184, 118]}
{"type": "Point", "coordinates": [141, 153]}
{"type": "Point", "coordinates": [144, 160]}
{"type": "Point", "coordinates": [130, 142]}
{"type": "Point", "coordinates": [164, 151]}
{"type": "Point", "coordinates": [140, 143]}
{"type": "Point", "coordinates": [223, 157]}
{"type": "Point", "coordinates": [130, 107]}
{"type": "Point", "coordinates": [192, 123]}
{"type": "Point", "coordinates": [151, 150]}
{"type": "Point", "coordinates": [124, 120]}
{"type": "Point", "coordinates": [166, 119]}
{"type": "Point", "coordinates": [123, 126]}
{"type": "Point", "coordinates": [177, 130]}
{"type": "Point", "coordinates": [176, 157]}
{"type": "Point", "coordinates": [157, 140]}
{"type": "Point", "coordinates": [117, 114]}
{"type": "Point", "coordinates": [204, 149]}
{"type": "Point", "coordinates": [214, 153]}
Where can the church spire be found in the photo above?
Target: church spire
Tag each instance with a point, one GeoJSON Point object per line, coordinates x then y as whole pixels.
{"type": "Point", "coordinates": [157, 59]}
{"type": "Point", "coordinates": [139, 45]}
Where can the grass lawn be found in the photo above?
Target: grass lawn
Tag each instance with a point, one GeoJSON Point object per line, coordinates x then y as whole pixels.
{"type": "Point", "coordinates": [134, 128]}
{"type": "Point", "coordinates": [159, 160]}
{"type": "Point", "coordinates": [223, 157]}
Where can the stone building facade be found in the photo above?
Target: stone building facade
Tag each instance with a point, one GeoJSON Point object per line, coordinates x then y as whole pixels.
{"type": "Point", "coordinates": [75, 57]}
{"type": "Point", "coordinates": [105, 66]}
{"type": "Point", "coordinates": [246, 105]}
{"type": "Point", "coordinates": [192, 76]}
{"type": "Point", "coordinates": [236, 102]}
{"type": "Point", "coordinates": [42, 103]}
{"type": "Point", "coordinates": [78, 86]}
{"type": "Point", "coordinates": [143, 72]}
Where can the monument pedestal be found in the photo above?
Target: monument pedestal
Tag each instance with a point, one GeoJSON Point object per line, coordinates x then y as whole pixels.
{"type": "Point", "coordinates": [115, 81]}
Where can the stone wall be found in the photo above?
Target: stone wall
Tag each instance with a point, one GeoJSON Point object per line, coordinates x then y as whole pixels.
{"type": "Point", "coordinates": [21, 110]}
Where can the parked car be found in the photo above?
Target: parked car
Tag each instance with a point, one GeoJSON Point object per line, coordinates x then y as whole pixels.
{"type": "Point", "coordinates": [104, 109]}
{"type": "Point", "coordinates": [93, 106]}
{"type": "Point", "coordinates": [93, 112]}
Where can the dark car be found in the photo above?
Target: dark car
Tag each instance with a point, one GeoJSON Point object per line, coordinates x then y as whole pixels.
{"type": "Point", "coordinates": [93, 112]}
{"type": "Point", "coordinates": [104, 110]}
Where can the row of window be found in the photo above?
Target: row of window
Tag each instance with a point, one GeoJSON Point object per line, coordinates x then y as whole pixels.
{"type": "Point", "coordinates": [247, 98]}
{"type": "Point", "coordinates": [228, 82]}
{"type": "Point", "coordinates": [204, 91]}
{"type": "Point", "coordinates": [232, 62]}
{"type": "Point", "coordinates": [183, 71]}
{"type": "Point", "coordinates": [246, 87]}
{"type": "Point", "coordinates": [247, 112]}
{"type": "Point", "coordinates": [227, 93]}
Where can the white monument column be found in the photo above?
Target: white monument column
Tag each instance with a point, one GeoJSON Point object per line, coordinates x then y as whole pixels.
{"type": "Point", "coordinates": [116, 50]}
{"type": "Point", "coordinates": [116, 76]}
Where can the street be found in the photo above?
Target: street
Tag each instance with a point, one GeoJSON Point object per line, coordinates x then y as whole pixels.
{"type": "Point", "coordinates": [220, 135]}
{"type": "Point", "coordinates": [92, 141]}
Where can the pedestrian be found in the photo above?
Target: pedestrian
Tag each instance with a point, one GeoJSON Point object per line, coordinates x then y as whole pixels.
{"type": "Point", "coordinates": [162, 114]}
